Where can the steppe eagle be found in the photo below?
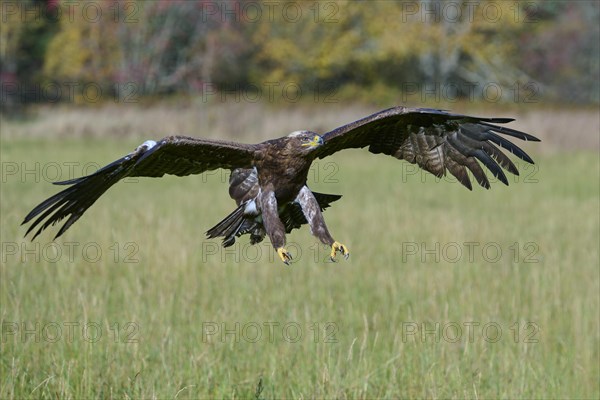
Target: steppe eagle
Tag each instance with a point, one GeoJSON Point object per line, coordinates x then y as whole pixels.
{"type": "Point", "coordinates": [268, 179]}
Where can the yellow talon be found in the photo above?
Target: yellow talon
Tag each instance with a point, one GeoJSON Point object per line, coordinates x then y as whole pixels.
{"type": "Point", "coordinates": [337, 246]}
{"type": "Point", "coordinates": [285, 256]}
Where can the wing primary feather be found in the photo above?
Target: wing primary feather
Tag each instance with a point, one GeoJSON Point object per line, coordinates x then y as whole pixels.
{"type": "Point", "coordinates": [470, 162]}
{"type": "Point", "coordinates": [70, 181]}
{"type": "Point", "coordinates": [485, 134]}
{"type": "Point", "coordinates": [511, 132]}
{"type": "Point", "coordinates": [488, 148]}
{"type": "Point", "coordinates": [45, 204]}
{"type": "Point", "coordinates": [497, 120]}
{"type": "Point", "coordinates": [109, 167]}
{"type": "Point", "coordinates": [508, 145]}
{"type": "Point", "coordinates": [478, 172]}
{"type": "Point", "coordinates": [491, 165]}
{"type": "Point", "coordinates": [459, 172]}
{"type": "Point", "coordinates": [500, 157]}
{"type": "Point", "coordinates": [58, 206]}
{"type": "Point", "coordinates": [451, 116]}
{"type": "Point", "coordinates": [67, 225]}
{"type": "Point", "coordinates": [74, 200]}
{"type": "Point", "coordinates": [50, 210]}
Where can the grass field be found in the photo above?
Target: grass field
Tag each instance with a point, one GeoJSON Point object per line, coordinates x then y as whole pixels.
{"type": "Point", "coordinates": [447, 294]}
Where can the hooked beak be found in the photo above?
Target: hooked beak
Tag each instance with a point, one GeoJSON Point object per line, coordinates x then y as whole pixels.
{"type": "Point", "coordinates": [317, 141]}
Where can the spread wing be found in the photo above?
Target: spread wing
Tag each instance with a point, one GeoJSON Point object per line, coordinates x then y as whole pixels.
{"type": "Point", "coordinates": [435, 140]}
{"type": "Point", "coordinates": [173, 155]}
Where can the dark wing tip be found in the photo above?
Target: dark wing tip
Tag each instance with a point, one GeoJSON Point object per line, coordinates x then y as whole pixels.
{"type": "Point", "coordinates": [69, 181]}
{"type": "Point", "coordinates": [75, 199]}
{"type": "Point", "coordinates": [511, 132]}
{"type": "Point", "coordinates": [498, 120]}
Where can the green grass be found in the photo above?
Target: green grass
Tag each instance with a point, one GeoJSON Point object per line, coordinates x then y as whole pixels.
{"type": "Point", "coordinates": [355, 316]}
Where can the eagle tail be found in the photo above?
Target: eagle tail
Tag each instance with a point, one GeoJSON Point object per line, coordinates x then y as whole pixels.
{"type": "Point", "coordinates": [229, 227]}
{"type": "Point", "coordinates": [237, 223]}
{"type": "Point", "coordinates": [325, 200]}
{"type": "Point", "coordinates": [293, 217]}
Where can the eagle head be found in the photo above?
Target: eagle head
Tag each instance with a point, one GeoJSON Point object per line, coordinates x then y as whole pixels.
{"type": "Point", "coordinates": [305, 141]}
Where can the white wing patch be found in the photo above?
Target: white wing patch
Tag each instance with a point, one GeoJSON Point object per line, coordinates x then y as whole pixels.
{"type": "Point", "coordinates": [148, 143]}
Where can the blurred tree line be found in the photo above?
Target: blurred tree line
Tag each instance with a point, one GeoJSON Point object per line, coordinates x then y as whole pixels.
{"type": "Point", "coordinates": [53, 51]}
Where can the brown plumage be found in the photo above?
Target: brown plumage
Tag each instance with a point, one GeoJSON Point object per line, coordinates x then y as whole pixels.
{"type": "Point", "coordinates": [268, 179]}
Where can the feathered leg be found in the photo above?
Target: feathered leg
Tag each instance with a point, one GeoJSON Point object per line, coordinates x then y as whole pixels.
{"type": "Point", "coordinates": [273, 225]}
{"type": "Point", "coordinates": [316, 222]}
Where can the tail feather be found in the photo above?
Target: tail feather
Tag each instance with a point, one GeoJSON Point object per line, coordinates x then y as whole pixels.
{"type": "Point", "coordinates": [325, 199]}
{"type": "Point", "coordinates": [237, 223]}
{"type": "Point", "coordinates": [293, 217]}
{"type": "Point", "coordinates": [228, 227]}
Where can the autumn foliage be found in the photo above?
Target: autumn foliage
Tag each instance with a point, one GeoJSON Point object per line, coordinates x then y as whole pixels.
{"type": "Point", "coordinates": [171, 47]}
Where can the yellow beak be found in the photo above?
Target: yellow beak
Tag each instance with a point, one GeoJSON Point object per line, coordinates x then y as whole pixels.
{"type": "Point", "coordinates": [317, 141]}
